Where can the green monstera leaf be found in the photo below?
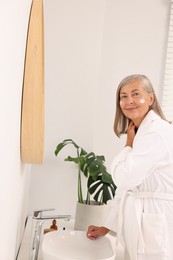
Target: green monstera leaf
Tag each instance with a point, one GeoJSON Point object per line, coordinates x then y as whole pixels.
{"type": "Point", "coordinates": [99, 184]}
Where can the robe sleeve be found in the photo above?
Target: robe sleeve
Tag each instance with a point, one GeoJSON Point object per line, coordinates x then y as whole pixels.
{"type": "Point", "coordinates": [112, 207]}
{"type": "Point", "coordinates": [110, 219]}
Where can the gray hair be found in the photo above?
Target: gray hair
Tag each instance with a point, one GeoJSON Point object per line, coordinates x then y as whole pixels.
{"type": "Point", "coordinates": [121, 121]}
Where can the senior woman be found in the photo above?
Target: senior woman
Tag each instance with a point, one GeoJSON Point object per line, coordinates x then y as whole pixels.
{"type": "Point", "coordinates": [142, 211]}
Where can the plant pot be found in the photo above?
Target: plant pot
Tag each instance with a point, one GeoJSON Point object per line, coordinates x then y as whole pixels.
{"type": "Point", "coordinates": [87, 215]}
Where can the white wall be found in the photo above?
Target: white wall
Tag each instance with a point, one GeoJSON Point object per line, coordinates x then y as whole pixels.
{"type": "Point", "coordinates": [14, 177]}
{"type": "Point", "coordinates": [135, 38]}
{"type": "Point", "coordinates": [90, 45]}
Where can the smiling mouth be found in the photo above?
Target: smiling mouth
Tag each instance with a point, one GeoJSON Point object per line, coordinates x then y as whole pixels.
{"type": "Point", "coordinates": [131, 108]}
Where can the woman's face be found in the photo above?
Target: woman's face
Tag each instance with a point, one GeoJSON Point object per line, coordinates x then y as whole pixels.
{"type": "Point", "coordinates": [135, 101]}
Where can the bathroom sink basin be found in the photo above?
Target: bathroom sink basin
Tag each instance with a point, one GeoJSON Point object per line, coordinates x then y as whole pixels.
{"type": "Point", "coordinates": [73, 244]}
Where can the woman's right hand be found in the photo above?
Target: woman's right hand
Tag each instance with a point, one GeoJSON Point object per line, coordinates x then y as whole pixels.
{"type": "Point", "coordinates": [94, 232]}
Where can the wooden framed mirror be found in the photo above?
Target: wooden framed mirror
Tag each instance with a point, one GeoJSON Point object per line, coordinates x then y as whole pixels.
{"type": "Point", "coordinates": [32, 118]}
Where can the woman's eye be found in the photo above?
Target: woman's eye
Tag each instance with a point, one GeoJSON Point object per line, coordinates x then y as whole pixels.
{"type": "Point", "coordinates": [135, 94]}
{"type": "Point", "coordinates": [123, 97]}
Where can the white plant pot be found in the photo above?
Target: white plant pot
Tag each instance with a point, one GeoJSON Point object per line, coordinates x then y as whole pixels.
{"type": "Point", "coordinates": [87, 215]}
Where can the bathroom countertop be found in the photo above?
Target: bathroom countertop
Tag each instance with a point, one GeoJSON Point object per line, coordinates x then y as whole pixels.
{"type": "Point", "coordinates": [25, 245]}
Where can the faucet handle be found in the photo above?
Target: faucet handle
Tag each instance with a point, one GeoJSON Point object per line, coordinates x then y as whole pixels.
{"type": "Point", "coordinates": [39, 211]}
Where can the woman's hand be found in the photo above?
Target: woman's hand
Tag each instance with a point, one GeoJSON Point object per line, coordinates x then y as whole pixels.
{"type": "Point", "coordinates": [130, 134]}
{"type": "Point", "coordinates": [95, 232]}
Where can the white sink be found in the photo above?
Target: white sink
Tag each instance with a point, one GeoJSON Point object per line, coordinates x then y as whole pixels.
{"type": "Point", "coordinates": [72, 244]}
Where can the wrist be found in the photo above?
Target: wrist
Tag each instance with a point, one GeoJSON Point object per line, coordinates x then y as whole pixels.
{"type": "Point", "coordinates": [130, 144]}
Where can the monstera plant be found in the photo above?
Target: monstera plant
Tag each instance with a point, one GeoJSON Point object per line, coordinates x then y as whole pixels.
{"type": "Point", "coordinates": [99, 182]}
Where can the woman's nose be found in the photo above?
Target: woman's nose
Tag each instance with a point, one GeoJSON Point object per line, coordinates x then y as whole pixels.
{"type": "Point", "coordinates": [130, 100]}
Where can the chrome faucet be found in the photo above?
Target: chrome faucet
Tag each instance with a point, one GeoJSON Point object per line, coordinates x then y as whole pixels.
{"type": "Point", "coordinates": [38, 219]}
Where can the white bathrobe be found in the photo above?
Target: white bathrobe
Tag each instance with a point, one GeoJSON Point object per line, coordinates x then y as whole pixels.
{"type": "Point", "coordinates": [142, 211]}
